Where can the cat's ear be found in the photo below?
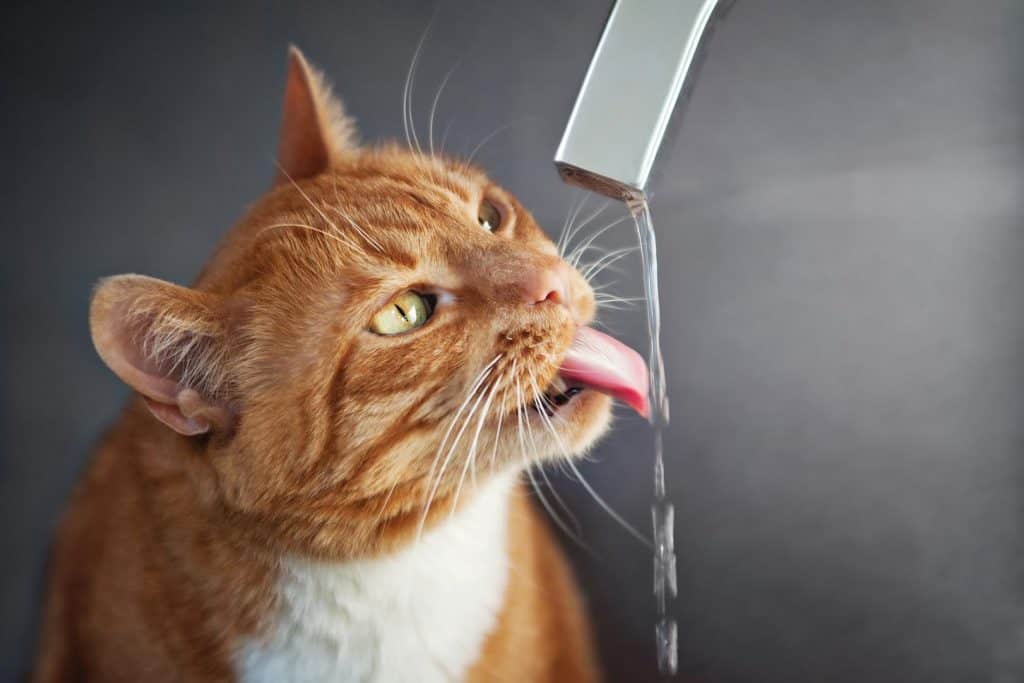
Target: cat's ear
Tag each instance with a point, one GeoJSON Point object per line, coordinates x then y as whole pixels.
{"type": "Point", "coordinates": [315, 131]}
{"type": "Point", "coordinates": [168, 343]}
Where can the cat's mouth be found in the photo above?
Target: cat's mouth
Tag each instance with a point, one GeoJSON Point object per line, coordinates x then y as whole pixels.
{"type": "Point", "coordinates": [558, 395]}
{"type": "Point", "coordinates": [602, 363]}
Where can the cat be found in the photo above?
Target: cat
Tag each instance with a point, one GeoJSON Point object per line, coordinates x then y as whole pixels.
{"type": "Point", "coordinates": [318, 477]}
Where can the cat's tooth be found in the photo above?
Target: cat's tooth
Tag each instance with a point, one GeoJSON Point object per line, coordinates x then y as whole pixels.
{"type": "Point", "coordinates": [558, 385]}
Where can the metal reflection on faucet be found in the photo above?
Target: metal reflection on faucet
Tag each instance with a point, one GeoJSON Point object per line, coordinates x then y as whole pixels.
{"type": "Point", "coordinates": [627, 97]}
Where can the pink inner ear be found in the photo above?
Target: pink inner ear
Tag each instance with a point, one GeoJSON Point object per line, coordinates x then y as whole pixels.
{"type": "Point", "coordinates": [118, 337]}
{"type": "Point", "coordinates": [161, 393]}
{"type": "Point", "coordinates": [118, 342]}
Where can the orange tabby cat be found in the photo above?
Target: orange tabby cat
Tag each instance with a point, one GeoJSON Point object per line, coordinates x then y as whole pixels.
{"type": "Point", "coordinates": [319, 477]}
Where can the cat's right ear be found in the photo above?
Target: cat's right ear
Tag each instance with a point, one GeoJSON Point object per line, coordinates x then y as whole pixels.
{"type": "Point", "coordinates": [315, 131]}
{"type": "Point", "coordinates": [168, 343]}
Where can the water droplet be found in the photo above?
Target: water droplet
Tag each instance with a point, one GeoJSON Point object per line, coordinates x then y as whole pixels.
{"type": "Point", "coordinates": [667, 638]}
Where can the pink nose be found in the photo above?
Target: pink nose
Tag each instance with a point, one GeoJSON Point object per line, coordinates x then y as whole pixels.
{"type": "Point", "coordinates": [539, 285]}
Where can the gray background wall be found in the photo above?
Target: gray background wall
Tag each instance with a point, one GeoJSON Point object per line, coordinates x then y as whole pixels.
{"type": "Point", "coordinates": [842, 235]}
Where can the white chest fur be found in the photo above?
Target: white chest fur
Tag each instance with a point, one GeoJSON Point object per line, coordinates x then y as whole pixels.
{"type": "Point", "coordinates": [419, 615]}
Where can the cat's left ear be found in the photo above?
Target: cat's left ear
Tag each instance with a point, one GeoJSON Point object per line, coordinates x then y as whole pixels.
{"type": "Point", "coordinates": [169, 344]}
{"type": "Point", "coordinates": [315, 131]}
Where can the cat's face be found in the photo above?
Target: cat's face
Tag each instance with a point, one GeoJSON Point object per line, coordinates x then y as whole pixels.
{"type": "Point", "coordinates": [381, 331]}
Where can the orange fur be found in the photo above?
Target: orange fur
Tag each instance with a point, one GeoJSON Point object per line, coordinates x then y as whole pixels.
{"type": "Point", "coordinates": [271, 422]}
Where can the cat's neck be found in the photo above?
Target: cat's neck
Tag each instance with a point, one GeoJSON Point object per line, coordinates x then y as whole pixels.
{"type": "Point", "coordinates": [265, 613]}
{"type": "Point", "coordinates": [419, 614]}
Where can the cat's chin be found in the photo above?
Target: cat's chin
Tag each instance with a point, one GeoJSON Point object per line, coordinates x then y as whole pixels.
{"type": "Point", "coordinates": [579, 422]}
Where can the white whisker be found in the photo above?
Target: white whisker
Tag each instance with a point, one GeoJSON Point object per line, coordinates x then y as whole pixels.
{"type": "Point", "coordinates": [540, 411]}
{"type": "Point", "coordinates": [501, 417]}
{"type": "Point", "coordinates": [564, 244]}
{"type": "Point", "coordinates": [585, 222]}
{"type": "Point", "coordinates": [433, 107]}
{"type": "Point", "coordinates": [444, 136]}
{"type": "Point", "coordinates": [555, 517]}
{"type": "Point", "coordinates": [411, 140]}
{"type": "Point", "coordinates": [577, 253]}
{"type": "Point", "coordinates": [303, 226]}
{"type": "Point", "coordinates": [451, 452]}
{"type": "Point", "coordinates": [573, 209]}
{"type": "Point", "coordinates": [471, 457]}
{"type": "Point", "coordinates": [362, 233]}
{"type": "Point", "coordinates": [600, 501]}
{"type": "Point", "coordinates": [488, 138]}
{"type": "Point", "coordinates": [592, 270]}
{"type": "Point", "coordinates": [620, 299]}
{"type": "Point", "coordinates": [444, 441]}
{"type": "Point", "coordinates": [604, 285]}
{"type": "Point", "coordinates": [616, 304]}
{"type": "Point", "coordinates": [314, 206]}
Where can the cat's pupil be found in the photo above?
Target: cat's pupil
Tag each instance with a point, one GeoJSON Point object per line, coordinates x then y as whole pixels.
{"type": "Point", "coordinates": [488, 216]}
{"type": "Point", "coordinates": [406, 312]}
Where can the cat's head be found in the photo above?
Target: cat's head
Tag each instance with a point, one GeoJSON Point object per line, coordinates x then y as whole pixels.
{"type": "Point", "coordinates": [380, 329]}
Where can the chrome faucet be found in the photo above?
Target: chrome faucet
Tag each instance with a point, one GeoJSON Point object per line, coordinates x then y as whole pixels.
{"type": "Point", "coordinates": [629, 92]}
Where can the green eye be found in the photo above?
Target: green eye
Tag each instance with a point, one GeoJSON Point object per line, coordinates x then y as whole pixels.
{"type": "Point", "coordinates": [405, 312]}
{"type": "Point", "coordinates": [488, 216]}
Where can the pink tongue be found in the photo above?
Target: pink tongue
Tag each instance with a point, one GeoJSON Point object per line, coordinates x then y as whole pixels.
{"type": "Point", "coordinates": [609, 366]}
